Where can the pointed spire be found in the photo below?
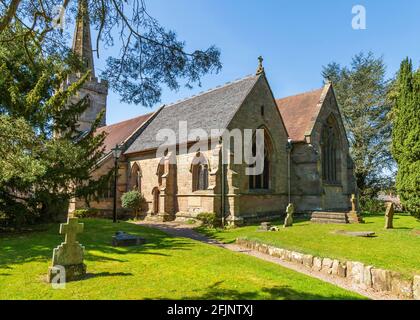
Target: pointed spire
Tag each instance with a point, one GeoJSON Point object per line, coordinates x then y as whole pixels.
{"type": "Point", "coordinates": [260, 65]}
{"type": "Point", "coordinates": [82, 43]}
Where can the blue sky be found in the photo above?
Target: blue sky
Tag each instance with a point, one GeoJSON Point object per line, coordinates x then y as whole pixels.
{"type": "Point", "coordinates": [296, 38]}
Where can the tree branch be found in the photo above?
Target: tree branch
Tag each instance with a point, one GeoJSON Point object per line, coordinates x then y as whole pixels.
{"type": "Point", "coordinates": [11, 11]}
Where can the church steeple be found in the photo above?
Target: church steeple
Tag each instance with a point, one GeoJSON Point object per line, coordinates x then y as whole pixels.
{"type": "Point", "coordinates": [96, 90]}
{"type": "Point", "coordinates": [82, 42]}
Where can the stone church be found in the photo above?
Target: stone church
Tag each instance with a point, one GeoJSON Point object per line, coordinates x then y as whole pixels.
{"type": "Point", "coordinates": [306, 151]}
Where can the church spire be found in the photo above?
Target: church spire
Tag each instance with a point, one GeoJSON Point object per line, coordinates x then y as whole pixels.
{"type": "Point", "coordinates": [82, 43]}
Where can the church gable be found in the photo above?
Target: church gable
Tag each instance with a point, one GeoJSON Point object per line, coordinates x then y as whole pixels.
{"type": "Point", "coordinates": [210, 110]}
{"type": "Point", "coordinates": [328, 113]}
{"type": "Point", "coordinates": [259, 111]}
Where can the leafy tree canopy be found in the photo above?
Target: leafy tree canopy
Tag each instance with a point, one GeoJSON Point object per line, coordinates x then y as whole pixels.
{"type": "Point", "coordinates": [150, 55]}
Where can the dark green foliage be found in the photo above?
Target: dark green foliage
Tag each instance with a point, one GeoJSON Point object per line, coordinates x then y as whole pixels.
{"type": "Point", "coordinates": [133, 200]}
{"type": "Point", "coordinates": [406, 136]}
{"type": "Point", "coordinates": [87, 213]}
{"type": "Point", "coordinates": [361, 91]}
{"type": "Point", "coordinates": [40, 170]}
{"type": "Point", "coordinates": [371, 204]}
{"type": "Point", "coordinates": [209, 219]}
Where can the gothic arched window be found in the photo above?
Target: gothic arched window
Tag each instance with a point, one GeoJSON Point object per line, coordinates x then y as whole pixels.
{"type": "Point", "coordinates": [329, 152]}
{"type": "Point", "coordinates": [200, 173]}
{"type": "Point", "coordinates": [135, 178]}
{"type": "Point", "coordinates": [160, 172]}
{"type": "Point", "coordinates": [261, 181]}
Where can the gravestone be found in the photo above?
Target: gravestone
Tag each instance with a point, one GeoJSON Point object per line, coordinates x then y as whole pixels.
{"type": "Point", "coordinates": [353, 216]}
{"type": "Point", "coordinates": [265, 226]}
{"type": "Point", "coordinates": [288, 222]}
{"type": "Point", "coordinates": [389, 216]}
{"type": "Point", "coordinates": [122, 239]}
{"type": "Point", "coordinates": [366, 234]}
{"type": "Point", "coordinates": [68, 256]}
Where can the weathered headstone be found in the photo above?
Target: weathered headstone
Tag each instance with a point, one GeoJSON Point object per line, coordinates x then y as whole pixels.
{"type": "Point", "coordinates": [122, 239]}
{"type": "Point", "coordinates": [353, 203]}
{"type": "Point", "coordinates": [265, 226]}
{"type": "Point", "coordinates": [389, 216]}
{"type": "Point", "coordinates": [288, 222]}
{"type": "Point", "coordinates": [353, 216]}
{"type": "Point", "coordinates": [68, 256]}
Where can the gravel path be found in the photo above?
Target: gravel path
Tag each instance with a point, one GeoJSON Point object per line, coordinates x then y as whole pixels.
{"type": "Point", "coordinates": [186, 231]}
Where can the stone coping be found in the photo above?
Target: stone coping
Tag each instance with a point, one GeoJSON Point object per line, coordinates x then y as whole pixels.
{"type": "Point", "coordinates": [356, 273]}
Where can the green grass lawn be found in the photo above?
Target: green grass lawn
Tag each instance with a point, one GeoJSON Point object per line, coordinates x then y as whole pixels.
{"type": "Point", "coordinates": [164, 268]}
{"type": "Point", "coordinates": [397, 249]}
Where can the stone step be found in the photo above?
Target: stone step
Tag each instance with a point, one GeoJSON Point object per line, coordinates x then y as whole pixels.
{"type": "Point", "coordinates": [329, 217]}
{"type": "Point", "coordinates": [316, 220]}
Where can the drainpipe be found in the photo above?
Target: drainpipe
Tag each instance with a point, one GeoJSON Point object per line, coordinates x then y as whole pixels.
{"type": "Point", "coordinates": [222, 185]}
{"type": "Point", "coordinates": [289, 147]}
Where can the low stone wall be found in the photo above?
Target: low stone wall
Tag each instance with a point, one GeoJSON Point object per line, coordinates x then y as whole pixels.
{"type": "Point", "coordinates": [357, 273]}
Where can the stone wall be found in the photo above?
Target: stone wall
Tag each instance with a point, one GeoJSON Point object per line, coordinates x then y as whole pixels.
{"type": "Point", "coordinates": [258, 111]}
{"type": "Point", "coordinates": [309, 191]}
{"type": "Point", "coordinates": [358, 274]}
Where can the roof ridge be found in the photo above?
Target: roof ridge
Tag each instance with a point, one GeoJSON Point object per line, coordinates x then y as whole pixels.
{"type": "Point", "coordinates": [202, 93]}
{"type": "Point", "coordinates": [120, 122]}
{"type": "Point", "coordinates": [302, 93]}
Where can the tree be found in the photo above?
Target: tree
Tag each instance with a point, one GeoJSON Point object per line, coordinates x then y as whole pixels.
{"type": "Point", "coordinates": [406, 135]}
{"type": "Point", "coordinates": [150, 55]}
{"type": "Point", "coordinates": [40, 169]}
{"type": "Point", "coordinates": [361, 91]}
{"type": "Point", "coordinates": [133, 200]}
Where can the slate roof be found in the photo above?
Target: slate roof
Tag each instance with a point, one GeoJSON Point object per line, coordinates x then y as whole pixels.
{"type": "Point", "coordinates": [213, 109]}
{"type": "Point", "coordinates": [121, 131]}
{"type": "Point", "coordinates": [299, 112]}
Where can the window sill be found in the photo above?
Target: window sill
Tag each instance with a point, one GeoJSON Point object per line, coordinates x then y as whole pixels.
{"type": "Point", "coordinates": [332, 184]}
{"type": "Point", "coordinates": [260, 191]}
{"type": "Point", "coordinates": [207, 191]}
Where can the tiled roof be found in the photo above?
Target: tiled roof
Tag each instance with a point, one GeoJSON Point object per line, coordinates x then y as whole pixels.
{"type": "Point", "coordinates": [299, 112]}
{"type": "Point", "coordinates": [121, 131]}
{"type": "Point", "coordinates": [213, 109]}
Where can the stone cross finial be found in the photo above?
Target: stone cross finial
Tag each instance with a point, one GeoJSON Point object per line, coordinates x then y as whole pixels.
{"type": "Point", "coordinates": [71, 229]}
{"type": "Point", "coordinates": [260, 65]}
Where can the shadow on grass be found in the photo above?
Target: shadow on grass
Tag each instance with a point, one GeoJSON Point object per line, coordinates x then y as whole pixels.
{"type": "Point", "coordinates": [106, 274]}
{"type": "Point", "coordinates": [215, 292]}
{"type": "Point", "coordinates": [97, 236]}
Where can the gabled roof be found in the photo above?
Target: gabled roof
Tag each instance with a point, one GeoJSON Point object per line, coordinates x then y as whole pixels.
{"type": "Point", "coordinates": [119, 132]}
{"type": "Point", "coordinates": [213, 109]}
{"type": "Point", "coordinates": [300, 111]}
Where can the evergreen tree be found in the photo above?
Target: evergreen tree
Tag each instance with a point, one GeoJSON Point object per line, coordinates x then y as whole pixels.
{"type": "Point", "coordinates": [406, 135]}
{"type": "Point", "coordinates": [361, 91]}
{"type": "Point", "coordinates": [38, 169]}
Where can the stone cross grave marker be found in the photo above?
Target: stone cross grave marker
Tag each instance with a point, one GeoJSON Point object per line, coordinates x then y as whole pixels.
{"type": "Point", "coordinates": [353, 203]}
{"type": "Point", "coordinates": [389, 216]}
{"type": "Point", "coordinates": [288, 222]}
{"type": "Point", "coordinates": [68, 256]}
